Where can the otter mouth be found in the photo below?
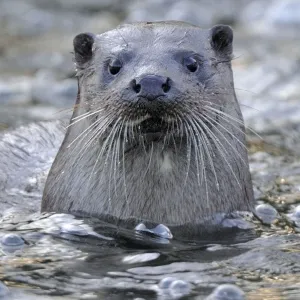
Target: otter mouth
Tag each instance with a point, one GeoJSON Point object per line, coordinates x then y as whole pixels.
{"type": "Point", "coordinates": [154, 125]}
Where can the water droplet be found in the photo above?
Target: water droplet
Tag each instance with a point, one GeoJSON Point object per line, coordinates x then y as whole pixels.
{"type": "Point", "coordinates": [166, 282]}
{"type": "Point", "coordinates": [12, 240]}
{"type": "Point", "coordinates": [179, 288]}
{"type": "Point", "coordinates": [160, 230]}
{"type": "Point", "coordinates": [227, 292]}
{"type": "Point", "coordinates": [140, 227]}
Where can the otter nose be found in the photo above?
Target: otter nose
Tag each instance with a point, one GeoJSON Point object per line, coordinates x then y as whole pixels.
{"type": "Point", "coordinates": [151, 86]}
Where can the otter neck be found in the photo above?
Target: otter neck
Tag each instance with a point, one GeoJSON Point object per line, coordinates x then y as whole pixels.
{"type": "Point", "coordinates": [147, 183]}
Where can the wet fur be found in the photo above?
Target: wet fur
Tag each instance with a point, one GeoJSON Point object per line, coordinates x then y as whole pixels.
{"type": "Point", "coordinates": [110, 170]}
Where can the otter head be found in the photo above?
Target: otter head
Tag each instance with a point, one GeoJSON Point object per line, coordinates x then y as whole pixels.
{"type": "Point", "coordinates": [153, 79]}
{"type": "Point", "coordinates": [157, 132]}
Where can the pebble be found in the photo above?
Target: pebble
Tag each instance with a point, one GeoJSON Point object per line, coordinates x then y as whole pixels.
{"type": "Point", "coordinates": [295, 216]}
{"type": "Point", "coordinates": [266, 213]}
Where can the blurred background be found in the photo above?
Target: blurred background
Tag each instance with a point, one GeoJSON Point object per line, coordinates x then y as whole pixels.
{"type": "Point", "coordinates": [37, 73]}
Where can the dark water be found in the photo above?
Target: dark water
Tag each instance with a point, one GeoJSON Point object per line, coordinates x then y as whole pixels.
{"type": "Point", "coordinates": [61, 257]}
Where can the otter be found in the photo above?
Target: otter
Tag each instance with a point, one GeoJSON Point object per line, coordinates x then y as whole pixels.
{"type": "Point", "coordinates": [156, 133]}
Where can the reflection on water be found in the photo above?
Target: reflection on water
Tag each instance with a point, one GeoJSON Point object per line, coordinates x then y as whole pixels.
{"type": "Point", "coordinates": [59, 256]}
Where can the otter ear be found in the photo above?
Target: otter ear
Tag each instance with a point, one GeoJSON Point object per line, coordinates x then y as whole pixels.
{"type": "Point", "coordinates": [83, 48]}
{"type": "Point", "coordinates": [221, 38]}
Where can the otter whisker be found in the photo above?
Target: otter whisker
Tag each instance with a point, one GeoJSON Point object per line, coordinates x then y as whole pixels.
{"type": "Point", "coordinates": [203, 135]}
{"type": "Point", "coordinates": [150, 160]}
{"type": "Point", "coordinates": [203, 144]}
{"type": "Point", "coordinates": [114, 151]}
{"type": "Point", "coordinates": [80, 138]}
{"type": "Point", "coordinates": [218, 105]}
{"type": "Point", "coordinates": [137, 121]}
{"type": "Point", "coordinates": [107, 140]}
{"type": "Point", "coordinates": [80, 116]}
{"type": "Point", "coordinates": [222, 150]}
{"type": "Point", "coordinates": [223, 127]}
{"type": "Point", "coordinates": [165, 142]}
{"type": "Point", "coordinates": [110, 151]}
{"type": "Point", "coordinates": [198, 144]}
{"type": "Point", "coordinates": [167, 138]}
{"type": "Point", "coordinates": [117, 159]}
{"type": "Point", "coordinates": [88, 129]}
{"type": "Point", "coordinates": [95, 133]}
{"type": "Point", "coordinates": [188, 153]}
{"type": "Point", "coordinates": [110, 155]}
{"type": "Point", "coordinates": [124, 173]}
{"type": "Point", "coordinates": [119, 145]}
{"type": "Point", "coordinates": [111, 140]}
{"type": "Point", "coordinates": [238, 128]}
{"type": "Point", "coordinates": [173, 138]}
{"type": "Point", "coordinates": [83, 117]}
{"type": "Point", "coordinates": [226, 140]}
{"type": "Point", "coordinates": [108, 118]}
{"type": "Point", "coordinates": [235, 120]}
{"type": "Point", "coordinates": [180, 128]}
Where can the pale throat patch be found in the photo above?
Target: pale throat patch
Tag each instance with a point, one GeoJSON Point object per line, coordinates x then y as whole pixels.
{"type": "Point", "coordinates": [166, 163]}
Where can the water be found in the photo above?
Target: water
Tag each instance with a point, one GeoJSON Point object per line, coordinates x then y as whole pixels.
{"type": "Point", "coordinates": [58, 256]}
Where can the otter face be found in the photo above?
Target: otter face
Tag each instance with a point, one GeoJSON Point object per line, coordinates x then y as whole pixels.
{"type": "Point", "coordinates": [154, 79]}
{"type": "Point", "coordinates": [157, 133]}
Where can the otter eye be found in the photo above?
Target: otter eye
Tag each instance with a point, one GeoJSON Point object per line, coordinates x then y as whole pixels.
{"type": "Point", "coordinates": [114, 67]}
{"type": "Point", "coordinates": [191, 63]}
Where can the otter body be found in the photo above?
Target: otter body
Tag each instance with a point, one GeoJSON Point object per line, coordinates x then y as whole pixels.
{"type": "Point", "coordinates": [157, 133]}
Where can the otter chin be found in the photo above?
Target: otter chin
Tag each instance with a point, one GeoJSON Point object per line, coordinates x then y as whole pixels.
{"type": "Point", "coordinates": [156, 133]}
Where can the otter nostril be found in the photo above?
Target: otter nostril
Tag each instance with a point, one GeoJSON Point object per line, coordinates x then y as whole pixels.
{"type": "Point", "coordinates": [166, 86]}
{"type": "Point", "coordinates": [136, 87]}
